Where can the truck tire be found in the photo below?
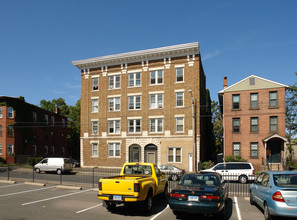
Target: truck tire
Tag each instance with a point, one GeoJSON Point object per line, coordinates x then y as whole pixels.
{"type": "Point", "coordinates": [148, 202]}
{"type": "Point", "coordinates": [109, 205]}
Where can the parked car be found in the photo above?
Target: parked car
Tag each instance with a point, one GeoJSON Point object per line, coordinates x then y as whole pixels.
{"type": "Point", "coordinates": [276, 193]}
{"type": "Point", "coordinates": [173, 172]}
{"type": "Point", "coordinates": [234, 171]}
{"type": "Point", "coordinates": [54, 164]}
{"type": "Point", "coordinates": [74, 162]}
{"type": "Point", "coordinates": [199, 193]}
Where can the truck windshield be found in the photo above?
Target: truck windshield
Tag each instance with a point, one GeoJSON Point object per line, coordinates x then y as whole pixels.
{"type": "Point", "coordinates": [138, 169]}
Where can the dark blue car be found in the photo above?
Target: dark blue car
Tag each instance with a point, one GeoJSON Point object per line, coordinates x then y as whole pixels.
{"type": "Point", "coordinates": [199, 193]}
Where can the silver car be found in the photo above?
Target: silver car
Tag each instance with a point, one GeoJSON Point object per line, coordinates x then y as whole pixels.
{"type": "Point", "coordinates": [276, 193]}
{"type": "Point", "coordinates": [173, 172]}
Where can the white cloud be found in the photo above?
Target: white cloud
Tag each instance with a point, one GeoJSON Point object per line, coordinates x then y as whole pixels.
{"type": "Point", "coordinates": [211, 55]}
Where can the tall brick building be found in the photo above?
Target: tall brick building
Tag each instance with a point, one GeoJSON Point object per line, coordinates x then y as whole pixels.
{"type": "Point", "coordinates": [141, 106]}
{"type": "Point", "coordinates": [254, 120]}
{"type": "Point", "coordinates": [27, 130]}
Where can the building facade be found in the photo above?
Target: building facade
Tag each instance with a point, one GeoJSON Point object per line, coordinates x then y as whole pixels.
{"type": "Point", "coordinates": [254, 120]}
{"type": "Point", "coordinates": [28, 131]}
{"type": "Point", "coordinates": [143, 106]}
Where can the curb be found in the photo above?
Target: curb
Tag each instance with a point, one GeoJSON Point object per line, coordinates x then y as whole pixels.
{"type": "Point", "coordinates": [8, 181]}
{"type": "Point", "coordinates": [35, 184]}
{"type": "Point", "coordinates": [96, 189]}
{"type": "Point", "coordinates": [69, 187]}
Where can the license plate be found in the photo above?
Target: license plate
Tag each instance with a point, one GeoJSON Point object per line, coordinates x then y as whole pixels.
{"type": "Point", "coordinates": [118, 198]}
{"type": "Point", "coordinates": [193, 198]}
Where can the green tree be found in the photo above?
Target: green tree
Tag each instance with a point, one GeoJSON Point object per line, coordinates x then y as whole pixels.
{"type": "Point", "coordinates": [55, 103]}
{"type": "Point", "coordinates": [217, 121]}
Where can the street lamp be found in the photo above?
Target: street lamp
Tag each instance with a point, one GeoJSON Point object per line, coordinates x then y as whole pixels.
{"type": "Point", "coordinates": [194, 124]}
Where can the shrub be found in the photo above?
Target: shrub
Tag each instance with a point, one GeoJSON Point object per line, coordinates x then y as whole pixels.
{"type": "Point", "coordinates": [34, 160]}
{"type": "Point", "coordinates": [207, 164]}
{"type": "Point", "coordinates": [234, 159]}
{"type": "Point", "coordinates": [2, 160]}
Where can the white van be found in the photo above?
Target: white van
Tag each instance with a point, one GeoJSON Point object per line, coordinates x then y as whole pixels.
{"type": "Point", "coordinates": [56, 164]}
{"type": "Point", "coordinates": [235, 171]}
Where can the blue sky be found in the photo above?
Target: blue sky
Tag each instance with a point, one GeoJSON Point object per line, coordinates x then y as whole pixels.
{"type": "Point", "coordinates": [40, 38]}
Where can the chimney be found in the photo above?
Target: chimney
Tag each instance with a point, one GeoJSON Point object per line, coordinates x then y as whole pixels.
{"type": "Point", "coordinates": [225, 82]}
{"type": "Point", "coordinates": [57, 110]}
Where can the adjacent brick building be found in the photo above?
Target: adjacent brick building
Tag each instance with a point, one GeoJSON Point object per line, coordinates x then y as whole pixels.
{"type": "Point", "coordinates": [254, 120]}
{"type": "Point", "coordinates": [137, 106]}
{"type": "Point", "coordinates": [27, 130]}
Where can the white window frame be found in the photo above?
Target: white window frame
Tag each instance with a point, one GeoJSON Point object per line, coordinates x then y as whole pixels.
{"type": "Point", "coordinates": [156, 125]}
{"type": "Point", "coordinates": [1, 149]}
{"type": "Point", "coordinates": [116, 104]}
{"type": "Point", "coordinates": [115, 125]}
{"type": "Point", "coordinates": [8, 149]}
{"type": "Point", "coordinates": [176, 99]}
{"type": "Point", "coordinates": [10, 112]}
{"type": "Point", "coordinates": [34, 117]}
{"type": "Point", "coordinates": [174, 159]}
{"type": "Point", "coordinates": [176, 76]}
{"type": "Point", "coordinates": [113, 148]}
{"type": "Point", "coordinates": [156, 103]}
{"type": "Point", "coordinates": [95, 149]}
{"type": "Point", "coordinates": [236, 144]}
{"type": "Point", "coordinates": [95, 83]}
{"type": "Point", "coordinates": [132, 79]}
{"type": "Point", "coordinates": [46, 150]}
{"type": "Point", "coordinates": [9, 131]}
{"type": "Point", "coordinates": [156, 77]}
{"type": "Point", "coordinates": [113, 83]}
{"type": "Point", "coordinates": [183, 124]}
{"type": "Point", "coordinates": [132, 102]}
{"type": "Point", "coordinates": [95, 105]}
{"type": "Point", "coordinates": [134, 126]}
{"type": "Point", "coordinates": [95, 127]}
{"type": "Point", "coordinates": [1, 130]}
{"type": "Point", "coordinates": [53, 150]}
{"type": "Point", "coordinates": [46, 119]}
{"type": "Point", "coordinates": [1, 112]}
{"type": "Point", "coordinates": [63, 123]}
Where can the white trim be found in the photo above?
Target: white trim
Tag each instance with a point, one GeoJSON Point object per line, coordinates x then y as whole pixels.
{"type": "Point", "coordinates": [156, 68]}
{"type": "Point", "coordinates": [135, 71]}
{"type": "Point", "coordinates": [113, 74]}
{"type": "Point", "coordinates": [95, 97]}
{"type": "Point", "coordinates": [94, 119]}
{"type": "Point", "coordinates": [179, 90]}
{"type": "Point", "coordinates": [95, 76]}
{"type": "Point", "coordinates": [114, 96]}
{"type": "Point", "coordinates": [179, 66]}
{"type": "Point", "coordinates": [134, 94]}
{"type": "Point", "coordinates": [113, 119]}
{"type": "Point", "coordinates": [179, 116]}
{"type": "Point", "coordinates": [156, 92]}
{"type": "Point", "coordinates": [116, 141]}
{"type": "Point", "coordinates": [133, 118]}
{"type": "Point", "coordinates": [156, 116]}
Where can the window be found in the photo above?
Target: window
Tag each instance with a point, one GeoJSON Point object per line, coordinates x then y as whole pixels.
{"type": "Point", "coordinates": [46, 119]}
{"type": "Point", "coordinates": [174, 154]}
{"type": "Point", "coordinates": [114, 149]}
{"type": "Point", "coordinates": [179, 74]}
{"type": "Point", "coordinates": [53, 120]}
{"type": "Point", "coordinates": [1, 148]}
{"type": "Point", "coordinates": [235, 101]}
{"type": "Point", "coordinates": [254, 150]}
{"type": "Point", "coordinates": [156, 77]}
{"type": "Point", "coordinates": [10, 112]}
{"type": "Point", "coordinates": [94, 105]}
{"type": "Point", "coordinates": [46, 150]}
{"type": "Point", "coordinates": [1, 130]}
{"type": "Point", "coordinates": [179, 99]}
{"type": "Point", "coordinates": [156, 101]}
{"type": "Point", "coordinates": [34, 150]}
{"type": "Point", "coordinates": [63, 123]}
{"type": "Point", "coordinates": [9, 131]}
{"type": "Point", "coordinates": [114, 126]}
{"type": "Point", "coordinates": [254, 100]}
{"type": "Point", "coordinates": [95, 83]}
{"type": "Point", "coordinates": [114, 104]}
{"type": "Point", "coordinates": [236, 125]}
{"type": "Point", "coordinates": [10, 150]}
{"type": "Point", "coordinates": [273, 123]}
{"type": "Point", "coordinates": [252, 81]}
{"type": "Point", "coordinates": [1, 112]}
{"type": "Point", "coordinates": [94, 149]}
{"type": "Point", "coordinates": [134, 102]}
{"type": "Point", "coordinates": [94, 127]}
{"type": "Point", "coordinates": [236, 149]}
{"type": "Point", "coordinates": [156, 125]}
{"type": "Point", "coordinates": [179, 124]}
{"type": "Point", "coordinates": [53, 150]}
{"type": "Point", "coordinates": [254, 124]}
{"type": "Point", "coordinates": [134, 79]}
{"type": "Point", "coordinates": [134, 125]}
{"type": "Point", "coordinates": [114, 82]}
{"type": "Point", "coordinates": [63, 151]}
{"type": "Point", "coordinates": [273, 99]}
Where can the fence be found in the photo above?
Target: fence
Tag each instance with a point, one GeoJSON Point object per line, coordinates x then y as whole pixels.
{"type": "Point", "coordinates": [89, 177]}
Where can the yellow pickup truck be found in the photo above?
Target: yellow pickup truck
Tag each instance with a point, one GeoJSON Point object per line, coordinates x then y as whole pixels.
{"type": "Point", "coordinates": [138, 182]}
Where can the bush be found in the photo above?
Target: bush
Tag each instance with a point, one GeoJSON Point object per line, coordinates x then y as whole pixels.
{"type": "Point", "coordinates": [34, 160]}
{"type": "Point", "coordinates": [234, 159]}
{"type": "Point", "coordinates": [207, 164]}
{"type": "Point", "coordinates": [2, 160]}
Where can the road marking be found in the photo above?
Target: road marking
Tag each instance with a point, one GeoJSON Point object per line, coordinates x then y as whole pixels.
{"type": "Point", "coordinates": [88, 208]}
{"type": "Point", "coordinates": [56, 197]}
{"type": "Point", "coordinates": [237, 208]}
{"type": "Point", "coordinates": [32, 190]}
{"type": "Point", "coordinates": [159, 213]}
{"type": "Point", "coordinates": [11, 185]}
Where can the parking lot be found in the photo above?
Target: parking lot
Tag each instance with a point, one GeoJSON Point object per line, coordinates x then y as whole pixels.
{"type": "Point", "coordinates": [25, 201]}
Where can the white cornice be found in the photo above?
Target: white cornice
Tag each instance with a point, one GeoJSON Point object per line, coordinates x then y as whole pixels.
{"type": "Point", "coordinates": [139, 56]}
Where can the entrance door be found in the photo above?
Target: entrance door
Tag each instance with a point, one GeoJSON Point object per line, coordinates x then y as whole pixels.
{"type": "Point", "coordinates": [274, 152]}
{"type": "Point", "coordinates": [134, 151]}
{"type": "Point", "coordinates": [151, 157]}
{"type": "Point", "coordinates": [190, 162]}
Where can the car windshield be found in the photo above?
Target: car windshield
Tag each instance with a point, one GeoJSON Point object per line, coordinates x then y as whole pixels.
{"type": "Point", "coordinates": [138, 169]}
{"type": "Point", "coordinates": [199, 180]}
{"type": "Point", "coordinates": [285, 180]}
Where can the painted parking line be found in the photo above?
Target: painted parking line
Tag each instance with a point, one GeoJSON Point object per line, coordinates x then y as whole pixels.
{"type": "Point", "coordinates": [11, 185]}
{"type": "Point", "coordinates": [32, 190]}
{"type": "Point", "coordinates": [55, 197]}
{"type": "Point", "coordinates": [89, 208]}
{"type": "Point", "coordinates": [237, 208]}
{"type": "Point", "coordinates": [159, 213]}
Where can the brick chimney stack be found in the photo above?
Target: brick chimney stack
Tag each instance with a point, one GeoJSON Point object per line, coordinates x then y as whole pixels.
{"type": "Point", "coordinates": [57, 110]}
{"type": "Point", "coordinates": [225, 82]}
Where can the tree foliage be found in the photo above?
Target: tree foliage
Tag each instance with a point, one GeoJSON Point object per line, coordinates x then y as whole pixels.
{"type": "Point", "coordinates": [217, 120]}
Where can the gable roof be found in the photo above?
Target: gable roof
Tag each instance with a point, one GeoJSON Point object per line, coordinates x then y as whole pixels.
{"type": "Point", "coordinates": [260, 83]}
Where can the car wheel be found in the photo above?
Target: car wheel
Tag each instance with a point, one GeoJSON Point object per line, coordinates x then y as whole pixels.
{"type": "Point", "coordinates": [267, 215]}
{"type": "Point", "coordinates": [148, 203]}
{"type": "Point", "coordinates": [37, 170]}
{"type": "Point", "coordinates": [109, 205]}
{"type": "Point", "coordinates": [174, 177]}
{"type": "Point", "coordinates": [242, 179]}
{"type": "Point", "coordinates": [252, 202]}
{"type": "Point", "coordinates": [59, 172]}
{"type": "Point", "coordinates": [177, 213]}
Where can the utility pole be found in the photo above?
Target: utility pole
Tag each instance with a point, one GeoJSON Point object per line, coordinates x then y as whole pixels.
{"type": "Point", "coordinates": [194, 126]}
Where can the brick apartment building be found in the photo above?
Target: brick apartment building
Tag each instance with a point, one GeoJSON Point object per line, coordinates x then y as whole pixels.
{"type": "Point", "coordinates": [254, 120]}
{"type": "Point", "coordinates": [27, 130]}
{"type": "Point", "coordinates": [137, 107]}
